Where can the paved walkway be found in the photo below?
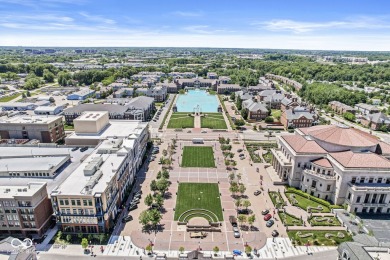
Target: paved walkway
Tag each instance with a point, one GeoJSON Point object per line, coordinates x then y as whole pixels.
{"type": "Point", "coordinates": [45, 243]}
{"type": "Point", "coordinates": [197, 122]}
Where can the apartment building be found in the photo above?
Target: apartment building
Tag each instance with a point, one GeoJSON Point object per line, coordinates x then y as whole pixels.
{"type": "Point", "coordinates": [89, 200]}
{"type": "Point", "coordinates": [341, 108]}
{"type": "Point", "coordinates": [336, 163]}
{"type": "Point", "coordinates": [298, 117]}
{"type": "Point", "coordinates": [46, 129]}
{"type": "Point", "coordinates": [25, 210]}
{"type": "Point", "coordinates": [256, 110]}
{"type": "Point", "coordinates": [292, 83]}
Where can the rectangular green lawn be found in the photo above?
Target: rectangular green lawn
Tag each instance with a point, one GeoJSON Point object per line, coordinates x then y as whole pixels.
{"type": "Point", "coordinates": [181, 120]}
{"type": "Point", "coordinates": [213, 121]}
{"type": "Point", "coordinates": [198, 196]}
{"type": "Point", "coordinates": [198, 156]}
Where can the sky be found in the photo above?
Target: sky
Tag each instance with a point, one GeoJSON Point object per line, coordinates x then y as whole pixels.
{"type": "Point", "coordinates": [276, 24]}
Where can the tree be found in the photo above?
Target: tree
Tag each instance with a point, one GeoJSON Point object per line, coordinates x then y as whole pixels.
{"type": "Point", "coordinates": [242, 219]}
{"type": "Point", "coordinates": [48, 76]}
{"type": "Point", "coordinates": [241, 189]}
{"type": "Point", "coordinates": [245, 113]}
{"type": "Point", "coordinates": [233, 96]}
{"type": "Point", "coordinates": [148, 200]}
{"type": "Point", "coordinates": [68, 238]}
{"type": "Point", "coordinates": [231, 177]}
{"type": "Point", "coordinates": [165, 152]}
{"type": "Point", "coordinates": [28, 94]}
{"type": "Point", "coordinates": [149, 248]}
{"type": "Point", "coordinates": [80, 235]}
{"type": "Point", "coordinates": [101, 238]}
{"type": "Point", "coordinates": [349, 116]}
{"type": "Point", "coordinates": [251, 220]}
{"type": "Point", "coordinates": [181, 250]}
{"type": "Point", "coordinates": [248, 250]}
{"type": "Point", "coordinates": [154, 217]}
{"type": "Point", "coordinates": [238, 202]}
{"type": "Point", "coordinates": [162, 185]}
{"type": "Point", "coordinates": [59, 234]}
{"type": "Point", "coordinates": [158, 175]}
{"type": "Point", "coordinates": [32, 83]}
{"type": "Point", "coordinates": [159, 200]}
{"type": "Point", "coordinates": [238, 102]}
{"type": "Point", "coordinates": [269, 119]}
{"type": "Point", "coordinates": [153, 186]}
{"type": "Point", "coordinates": [215, 250]}
{"type": "Point", "coordinates": [165, 174]}
{"type": "Point", "coordinates": [239, 122]}
{"type": "Point", "coordinates": [84, 243]}
{"type": "Point", "coordinates": [144, 218]}
{"type": "Point", "coordinates": [233, 188]}
{"type": "Point", "coordinates": [246, 204]}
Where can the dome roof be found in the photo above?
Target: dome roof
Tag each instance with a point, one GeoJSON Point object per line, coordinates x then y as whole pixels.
{"type": "Point", "coordinates": [341, 135]}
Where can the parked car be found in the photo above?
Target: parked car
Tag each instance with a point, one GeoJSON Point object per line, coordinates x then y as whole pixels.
{"type": "Point", "coordinates": [267, 217]}
{"type": "Point", "coordinates": [257, 193]}
{"type": "Point", "coordinates": [75, 149]}
{"type": "Point", "coordinates": [242, 155]}
{"type": "Point", "coordinates": [269, 223]}
{"type": "Point", "coordinates": [137, 196]}
{"type": "Point", "coordinates": [236, 232]}
{"type": "Point", "coordinates": [135, 201]}
{"type": "Point", "coordinates": [138, 192]}
{"type": "Point", "coordinates": [132, 207]}
{"type": "Point", "coordinates": [264, 212]}
{"type": "Point", "coordinates": [239, 150]}
{"type": "Point", "coordinates": [275, 233]}
{"type": "Point", "coordinates": [233, 221]}
{"type": "Point", "coordinates": [204, 131]}
{"type": "Point", "coordinates": [127, 219]}
{"type": "Point", "coordinates": [243, 211]}
{"type": "Point", "coordinates": [84, 149]}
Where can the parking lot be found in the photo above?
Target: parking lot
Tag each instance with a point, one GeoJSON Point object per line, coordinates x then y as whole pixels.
{"type": "Point", "coordinates": [379, 224]}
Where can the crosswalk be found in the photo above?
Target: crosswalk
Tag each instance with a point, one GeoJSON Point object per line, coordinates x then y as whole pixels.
{"type": "Point", "coordinates": [275, 248]}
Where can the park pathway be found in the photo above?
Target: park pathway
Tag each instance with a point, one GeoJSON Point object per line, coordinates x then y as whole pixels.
{"type": "Point", "coordinates": [197, 122]}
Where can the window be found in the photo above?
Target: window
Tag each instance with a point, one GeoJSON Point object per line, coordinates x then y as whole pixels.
{"type": "Point", "coordinates": [66, 202]}
{"type": "Point", "coordinates": [353, 180]}
{"type": "Point", "coordinates": [349, 196]}
{"type": "Point", "coordinates": [299, 164]}
{"type": "Point", "coordinates": [379, 180]}
{"type": "Point", "coordinates": [85, 203]}
{"type": "Point", "coordinates": [73, 202]}
{"type": "Point", "coordinates": [328, 187]}
{"type": "Point", "coordinates": [78, 202]}
{"type": "Point", "coordinates": [371, 180]}
{"type": "Point", "coordinates": [358, 199]}
{"type": "Point", "coordinates": [362, 179]}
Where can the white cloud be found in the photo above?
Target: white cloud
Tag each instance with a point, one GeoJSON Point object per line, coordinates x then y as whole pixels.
{"type": "Point", "coordinates": [97, 18]}
{"type": "Point", "coordinates": [198, 29]}
{"type": "Point", "coordinates": [363, 22]}
{"type": "Point", "coordinates": [188, 14]}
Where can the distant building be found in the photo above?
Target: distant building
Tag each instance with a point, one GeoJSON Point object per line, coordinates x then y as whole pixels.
{"type": "Point", "coordinates": [25, 210]}
{"type": "Point", "coordinates": [45, 129]}
{"type": "Point", "coordinates": [298, 117]}
{"type": "Point", "coordinates": [171, 87]}
{"type": "Point", "coordinates": [18, 106]}
{"type": "Point", "coordinates": [139, 108]}
{"type": "Point", "coordinates": [341, 108]}
{"type": "Point", "coordinates": [227, 88]}
{"type": "Point", "coordinates": [292, 83]}
{"type": "Point", "coordinates": [366, 109]}
{"type": "Point", "coordinates": [81, 94]}
{"type": "Point", "coordinates": [212, 75]}
{"type": "Point", "coordinates": [256, 110]}
{"type": "Point", "coordinates": [48, 110]}
{"type": "Point", "coordinates": [376, 121]}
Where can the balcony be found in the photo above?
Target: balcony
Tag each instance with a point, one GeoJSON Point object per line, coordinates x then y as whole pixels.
{"type": "Point", "coordinates": [282, 159]}
{"type": "Point", "coordinates": [365, 187]}
{"type": "Point", "coordinates": [319, 175]}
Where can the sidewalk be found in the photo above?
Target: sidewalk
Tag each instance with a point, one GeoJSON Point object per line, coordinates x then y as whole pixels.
{"type": "Point", "coordinates": [44, 246]}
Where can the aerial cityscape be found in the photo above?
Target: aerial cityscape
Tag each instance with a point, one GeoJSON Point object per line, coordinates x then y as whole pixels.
{"type": "Point", "coordinates": [194, 130]}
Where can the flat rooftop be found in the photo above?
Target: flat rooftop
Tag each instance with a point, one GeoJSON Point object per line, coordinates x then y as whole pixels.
{"type": "Point", "coordinates": [115, 128]}
{"type": "Point", "coordinates": [76, 182]}
{"type": "Point", "coordinates": [33, 164]}
{"type": "Point", "coordinates": [91, 116]}
{"type": "Point", "coordinates": [30, 120]}
{"type": "Point", "coordinates": [28, 190]}
{"type": "Point", "coordinates": [28, 151]}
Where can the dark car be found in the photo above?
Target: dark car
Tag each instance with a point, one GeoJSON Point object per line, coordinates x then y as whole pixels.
{"type": "Point", "coordinates": [233, 221]}
{"type": "Point", "coordinates": [132, 207]}
{"type": "Point", "coordinates": [127, 219]}
{"type": "Point", "coordinates": [75, 149]}
{"type": "Point", "coordinates": [267, 217]}
{"type": "Point", "coordinates": [275, 233]}
{"type": "Point", "coordinates": [84, 149]}
{"type": "Point", "coordinates": [134, 201]}
{"type": "Point", "coordinates": [265, 212]}
{"type": "Point", "coordinates": [239, 150]}
{"type": "Point", "coordinates": [138, 192]}
{"type": "Point", "coordinates": [269, 223]}
{"type": "Point", "coordinates": [243, 211]}
{"type": "Point", "coordinates": [257, 193]}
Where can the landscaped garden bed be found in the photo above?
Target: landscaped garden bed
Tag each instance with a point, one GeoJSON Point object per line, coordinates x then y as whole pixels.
{"type": "Point", "coordinates": [290, 220]}
{"type": "Point", "coordinates": [307, 202]}
{"type": "Point", "coordinates": [324, 221]}
{"type": "Point", "coordinates": [276, 199]}
{"type": "Point", "coordinates": [318, 237]}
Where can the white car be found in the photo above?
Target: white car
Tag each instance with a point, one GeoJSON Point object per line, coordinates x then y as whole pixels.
{"type": "Point", "coordinates": [236, 232]}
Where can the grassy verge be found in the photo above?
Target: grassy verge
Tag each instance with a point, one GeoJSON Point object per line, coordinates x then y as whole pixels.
{"type": "Point", "coordinates": [290, 220]}
{"type": "Point", "coordinates": [277, 199]}
{"type": "Point", "coordinates": [181, 120]}
{"type": "Point", "coordinates": [324, 221]}
{"type": "Point", "coordinates": [167, 113]}
{"type": "Point", "coordinates": [213, 121]}
{"type": "Point", "coordinates": [9, 98]}
{"type": "Point", "coordinates": [233, 126]}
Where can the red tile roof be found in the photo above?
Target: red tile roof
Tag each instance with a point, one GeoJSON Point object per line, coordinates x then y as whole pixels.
{"type": "Point", "coordinates": [323, 162]}
{"type": "Point", "coordinates": [350, 159]}
{"type": "Point", "coordinates": [341, 135]}
{"type": "Point", "coordinates": [301, 145]}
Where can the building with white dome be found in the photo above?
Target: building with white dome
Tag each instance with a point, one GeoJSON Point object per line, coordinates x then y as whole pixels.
{"type": "Point", "coordinates": [338, 164]}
